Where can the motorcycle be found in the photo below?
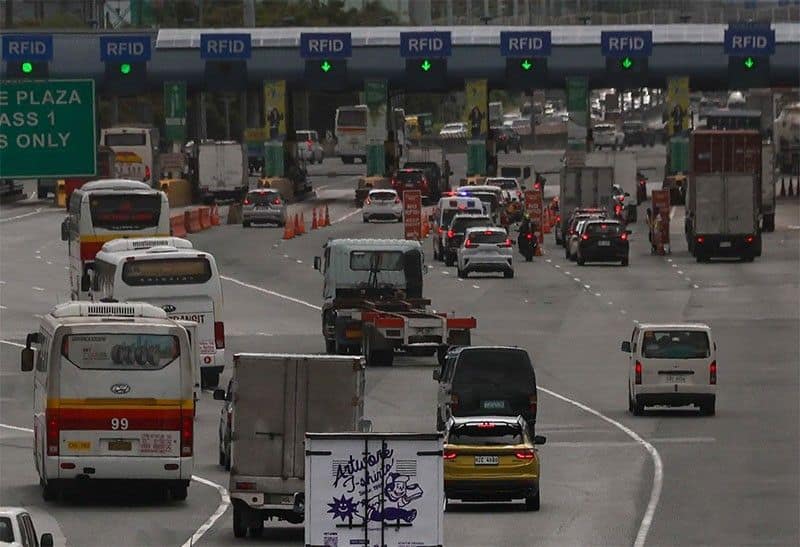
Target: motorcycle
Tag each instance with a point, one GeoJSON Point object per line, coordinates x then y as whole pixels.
{"type": "Point", "coordinates": [527, 244]}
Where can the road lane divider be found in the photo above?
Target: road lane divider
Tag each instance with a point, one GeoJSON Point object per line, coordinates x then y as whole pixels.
{"type": "Point", "coordinates": [271, 293]}
{"type": "Point", "coordinates": [9, 219]}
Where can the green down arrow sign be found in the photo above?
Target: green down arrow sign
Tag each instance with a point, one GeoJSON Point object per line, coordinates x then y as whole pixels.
{"type": "Point", "coordinates": [426, 65]}
{"type": "Point", "coordinates": [325, 66]}
{"type": "Point", "coordinates": [526, 65]}
{"type": "Point", "coordinates": [627, 63]}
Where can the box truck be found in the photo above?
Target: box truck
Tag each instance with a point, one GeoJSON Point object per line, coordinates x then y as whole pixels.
{"type": "Point", "coordinates": [589, 186]}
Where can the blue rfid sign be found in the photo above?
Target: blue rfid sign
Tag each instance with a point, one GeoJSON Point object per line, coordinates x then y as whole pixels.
{"type": "Point", "coordinates": [745, 40]}
{"type": "Point", "coordinates": [329, 45]}
{"type": "Point", "coordinates": [525, 44]}
{"type": "Point", "coordinates": [225, 46]}
{"type": "Point", "coordinates": [125, 49]}
{"type": "Point", "coordinates": [419, 45]}
{"type": "Point", "coordinates": [28, 47]}
{"type": "Point", "coordinates": [626, 43]}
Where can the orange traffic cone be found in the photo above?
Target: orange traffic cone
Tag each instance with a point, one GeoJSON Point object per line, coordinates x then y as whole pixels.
{"type": "Point", "coordinates": [288, 229]}
{"type": "Point", "coordinates": [425, 228]}
{"type": "Point", "coordinates": [546, 221]}
{"type": "Point", "coordinates": [314, 224]}
{"type": "Point", "coordinates": [302, 223]}
{"type": "Point", "coordinates": [327, 218]}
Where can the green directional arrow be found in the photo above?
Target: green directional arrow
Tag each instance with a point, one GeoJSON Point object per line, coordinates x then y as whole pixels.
{"type": "Point", "coordinates": [325, 66]}
{"type": "Point", "coordinates": [526, 64]}
{"type": "Point", "coordinates": [626, 63]}
{"type": "Point", "coordinates": [426, 65]}
{"type": "Point", "coordinates": [749, 62]}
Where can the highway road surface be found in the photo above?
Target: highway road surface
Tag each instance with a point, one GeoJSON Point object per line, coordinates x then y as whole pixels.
{"type": "Point", "coordinates": [667, 478]}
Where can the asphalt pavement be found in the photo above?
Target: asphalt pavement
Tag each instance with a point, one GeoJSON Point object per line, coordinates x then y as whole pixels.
{"type": "Point", "coordinates": [669, 477]}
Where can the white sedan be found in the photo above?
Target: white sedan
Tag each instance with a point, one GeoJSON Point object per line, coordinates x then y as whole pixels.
{"type": "Point", "coordinates": [382, 205]}
{"type": "Point", "coordinates": [17, 529]}
{"type": "Point", "coordinates": [485, 249]}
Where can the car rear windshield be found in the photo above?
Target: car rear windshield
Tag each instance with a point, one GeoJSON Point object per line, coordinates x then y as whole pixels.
{"type": "Point", "coordinates": [120, 351]}
{"type": "Point", "coordinates": [380, 260]}
{"type": "Point", "coordinates": [409, 176]}
{"type": "Point", "coordinates": [460, 225]}
{"type": "Point", "coordinates": [492, 367]}
{"type": "Point", "coordinates": [486, 434]}
{"type": "Point", "coordinates": [675, 344]}
{"type": "Point", "coordinates": [352, 118]}
{"type": "Point", "coordinates": [262, 198]}
{"type": "Point", "coordinates": [602, 228]}
{"type": "Point", "coordinates": [505, 184]}
{"type": "Point", "coordinates": [126, 139]}
{"type": "Point", "coordinates": [125, 211]}
{"type": "Point", "coordinates": [166, 271]}
{"type": "Point", "coordinates": [488, 237]}
{"type": "Point", "coordinates": [448, 214]}
{"type": "Point", "coordinates": [383, 196]}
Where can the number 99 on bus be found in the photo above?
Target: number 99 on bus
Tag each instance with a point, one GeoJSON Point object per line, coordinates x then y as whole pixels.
{"type": "Point", "coordinates": [119, 423]}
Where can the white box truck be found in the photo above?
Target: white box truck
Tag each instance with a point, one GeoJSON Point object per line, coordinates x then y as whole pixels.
{"type": "Point", "coordinates": [584, 187]}
{"type": "Point", "coordinates": [222, 170]}
{"type": "Point", "coordinates": [369, 489]}
{"type": "Point", "coordinates": [624, 165]}
{"type": "Point", "coordinates": [276, 399]}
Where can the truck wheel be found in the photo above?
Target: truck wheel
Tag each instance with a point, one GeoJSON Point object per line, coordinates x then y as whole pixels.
{"type": "Point", "coordinates": [769, 223]}
{"type": "Point", "coordinates": [239, 521]}
{"type": "Point", "coordinates": [51, 491]}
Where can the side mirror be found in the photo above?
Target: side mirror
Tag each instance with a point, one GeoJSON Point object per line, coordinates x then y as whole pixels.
{"type": "Point", "coordinates": [539, 439]}
{"type": "Point", "coordinates": [27, 358]}
{"type": "Point", "coordinates": [437, 374]}
{"type": "Point", "coordinates": [46, 540]}
{"type": "Point", "coordinates": [626, 347]}
{"type": "Point", "coordinates": [65, 230]}
{"type": "Point", "coordinates": [33, 338]}
{"type": "Point", "coordinates": [317, 263]}
{"type": "Point", "coordinates": [219, 394]}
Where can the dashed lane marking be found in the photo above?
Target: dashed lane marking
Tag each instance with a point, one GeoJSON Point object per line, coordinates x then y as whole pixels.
{"type": "Point", "coordinates": [10, 343]}
{"type": "Point", "coordinates": [9, 219]}
{"type": "Point", "coordinates": [695, 286]}
{"type": "Point", "coordinates": [40, 289]}
{"type": "Point", "coordinates": [271, 293]}
{"type": "Point", "coordinates": [345, 217]}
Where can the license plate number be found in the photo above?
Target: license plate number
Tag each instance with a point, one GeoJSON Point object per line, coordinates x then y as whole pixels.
{"type": "Point", "coordinates": [487, 460]}
{"type": "Point", "coordinates": [120, 446]}
{"type": "Point", "coordinates": [724, 243]}
{"type": "Point", "coordinates": [604, 244]}
{"type": "Point", "coordinates": [79, 445]}
{"type": "Point", "coordinates": [493, 405]}
{"type": "Point", "coordinates": [676, 379]}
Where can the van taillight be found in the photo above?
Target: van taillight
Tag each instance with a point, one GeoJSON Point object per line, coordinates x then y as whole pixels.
{"type": "Point", "coordinates": [187, 433]}
{"type": "Point", "coordinates": [712, 373]}
{"type": "Point", "coordinates": [53, 431]}
{"type": "Point", "coordinates": [637, 370]}
{"type": "Point", "coordinates": [219, 334]}
{"type": "Point", "coordinates": [532, 402]}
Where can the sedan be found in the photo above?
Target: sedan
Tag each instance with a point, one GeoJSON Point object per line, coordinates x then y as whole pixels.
{"type": "Point", "coordinates": [485, 249]}
{"type": "Point", "coordinates": [382, 205]}
{"type": "Point", "coordinates": [264, 206]}
{"type": "Point", "coordinates": [225, 421]}
{"type": "Point", "coordinates": [491, 458]}
{"type": "Point", "coordinates": [602, 241]}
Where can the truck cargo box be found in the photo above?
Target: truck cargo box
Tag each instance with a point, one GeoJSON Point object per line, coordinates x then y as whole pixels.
{"type": "Point", "coordinates": [726, 151]}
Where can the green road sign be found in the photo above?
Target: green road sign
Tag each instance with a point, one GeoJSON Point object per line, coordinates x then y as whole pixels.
{"type": "Point", "coordinates": [47, 129]}
{"type": "Point", "coordinates": [375, 92]}
{"type": "Point", "coordinates": [175, 111]}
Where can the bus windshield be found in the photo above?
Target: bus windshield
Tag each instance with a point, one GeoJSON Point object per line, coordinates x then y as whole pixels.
{"type": "Point", "coordinates": [352, 118]}
{"type": "Point", "coordinates": [125, 211]}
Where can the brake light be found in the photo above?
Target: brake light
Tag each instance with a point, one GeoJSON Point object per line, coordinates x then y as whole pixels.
{"type": "Point", "coordinates": [455, 401]}
{"type": "Point", "coordinates": [637, 370]}
{"type": "Point", "coordinates": [397, 200]}
{"type": "Point", "coordinates": [488, 233]}
{"type": "Point", "coordinates": [526, 454]}
{"type": "Point", "coordinates": [449, 454]}
{"type": "Point", "coordinates": [276, 201]}
{"type": "Point", "coordinates": [505, 244]}
{"type": "Point", "coordinates": [617, 209]}
{"type": "Point", "coordinates": [700, 239]}
{"type": "Point", "coordinates": [469, 244]}
{"type": "Point", "coordinates": [748, 238]}
{"type": "Point", "coordinates": [712, 373]}
{"type": "Point", "coordinates": [53, 431]}
{"type": "Point", "coordinates": [187, 432]}
{"type": "Point", "coordinates": [247, 201]}
{"type": "Point", "coordinates": [367, 201]}
{"type": "Point", "coordinates": [529, 236]}
{"type": "Point", "coordinates": [219, 334]}
{"type": "Point", "coordinates": [532, 404]}
{"type": "Point", "coordinates": [441, 230]}
{"type": "Point", "coordinates": [486, 425]}
{"type": "Point", "coordinates": [585, 237]}
{"type": "Point", "coordinates": [623, 236]}
{"type": "Point", "coordinates": [451, 234]}
{"type": "Point", "coordinates": [146, 173]}
{"type": "Point", "coordinates": [245, 486]}
{"type": "Point", "coordinates": [558, 218]}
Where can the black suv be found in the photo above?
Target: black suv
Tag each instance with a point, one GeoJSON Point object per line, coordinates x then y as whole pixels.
{"type": "Point", "coordinates": [506, 138]}
{"type": "Point", "coordinates": [603, 240]}
{"type": "Point", "coordinates": [457, 229]}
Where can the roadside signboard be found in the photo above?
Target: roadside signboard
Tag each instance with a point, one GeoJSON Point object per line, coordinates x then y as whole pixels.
{"type": "Point", "coordinates": [412, 214]}
{"type": "Point", "coordinates": [125, 49]}
{"type": "Point", "coordinates": [328, 45]}
{"type": "Point", "coordinates": [420, 45]}
{"type": "Point", "coordinates": [175, 111]}
{"type": "Point", "coordinates": [225, 46]}
{"type": "Point", "coordinates": [525, 43]}
{"type": "Point", "coordinates": [626, 43]}
{"type": "Point", "coordinates": [534, 207]}
{"type": "Point", "coordinates": [47, 129]}
{"type": "Point", "coordinates": [27, 47]}
{"type": "Point", "coordinates": [742, 40]}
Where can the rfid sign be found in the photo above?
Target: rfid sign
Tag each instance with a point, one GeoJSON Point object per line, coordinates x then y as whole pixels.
{"type": "Point", "coordinates": [225, 46]}
{"type": "Point", "coordinates": [525, 44]}
{"type": "Point", "coordinates": [418, 45]}
{"type": "Point", "coordinates": [336, 45]}
{"type": "Point", "coordinates": [28, 47]}
{"type": "Point", "coordinates": [745, 40]}
{"type": "Point", "coordinates": [630, 43]}
{"type": "Point", "coordinates": [124, 49]}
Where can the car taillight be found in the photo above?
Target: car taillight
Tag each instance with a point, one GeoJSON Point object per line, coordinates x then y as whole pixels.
{"type": "Point", "coordinates": [526, 454]}
{"type": "Point", "coordinates": [219, 334]}
{"type": "Point", "coordinates": [455, 401]}
{"type": "Point", "coordinates": [441, 230]}
{"type": "Point", "coordinates": [449, 454]}
{"type": "Point", "coordinates": [469, 244]}
{"type": "Point", "coordinates": [187, 432]}
{"type": "Point", "coordinates": [637, 370]}
{"type": "Point", "coordinates": [558, 218]}
{"type": "Point", "coordinates": [712, 373]}
{"type": "Point", "coordinates": [451, 234]}
{"type": "Point", "coordinates": [53, 431]}
{"type": "Point", "coordinates": [424, 184]}
{"type": "Point", "coordinates": [532, 404]}
{"type": "Point", "coordinates": [623, 236]}
{"type": "Point", "coordinates": [617, 209]}
{"type": "Point", "coordinates": [276, 201]}
{"type": "Point", "coordinates": [749, 238]}
{"type": "Point", "coordinates": [529, 236]}
{"type": "Point", "coordinates": [397, 200]}
{"type": "Point", "coordinates": [700, 239]}
{"type": "Point", "coordinates": [585, 237]}
{"type": "Point", "coordinates": [505, 244]}
{"type": "Point", "coordinates": [247, 201]}
{"type": "Point", "coordinates": [367, 201]}
{"type": "Point", "coordinates": [146, 173]}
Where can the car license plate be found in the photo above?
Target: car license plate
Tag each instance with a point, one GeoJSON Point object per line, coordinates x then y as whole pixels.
{"type": "Point", "coordinates": [676, 379]}
{"type": "Point", "coordinates": [604, 244]}
{"type": "Point", "coordinates": [493, 405]}
{"type": "Point", "coordinates": [81, 446]}
{"type": "Point", "coordinates": [724, 243]}
{"type": "Point", "coordinates": [487, 460]}
{"type": "Point", "coordinates": [120, 446]}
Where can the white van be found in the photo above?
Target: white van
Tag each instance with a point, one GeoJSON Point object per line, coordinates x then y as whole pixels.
{"type": "Point", "coordinates": [112, 396]}
{"type": "Point", "coordinates": [671, 365]}
{"type": "Point", "coordinates": [169, 273]}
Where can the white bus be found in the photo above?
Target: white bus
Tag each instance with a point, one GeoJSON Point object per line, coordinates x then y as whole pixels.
{"type": "Point", "coordinates": [103, 210]}
{"type": "Point", "coordinates": [351, 133]}
{"type": "Point", "coordinates": [169, 273]}
{"type": "Point", "coordinates": [112, 397]}
{"type": "Point", "coordinates": [135, 152]}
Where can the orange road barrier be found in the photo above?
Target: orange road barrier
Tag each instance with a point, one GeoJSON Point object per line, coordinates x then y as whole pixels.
{"type": "Point", "coordinates": [314, 224]}
{"type": "Point", "coordinates": [177, 227]}
{"type": "Point", "coordinates": [215, 221]}
{"type": "Point", "coordinates": [205, 218]}
{"type": "Point", "coordinates": [288, 230]}
{"type": "Point", "coordinates": [192, 221]}
{"type": "Point", "coordinates": [327, 218]}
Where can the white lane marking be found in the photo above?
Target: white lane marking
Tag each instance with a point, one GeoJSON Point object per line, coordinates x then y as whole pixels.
{"type": "Point", "coordinates": [271, 293]}
{"type": "Point", "coordinates": [225, 502]}
{"type": "Point", "coordinates": [49, 263]}
{"type": "Point", "coordinates": [476, 287]}
{"type": "Point", "coordinates": [610, 303]}
{"type": "Point", "coordinates": [577, 279]}
{"type": "Point", "coordinates": [623, 312]}
{"type": "Point", "coordinates": [445, 272]}
{"type": "Point", "coordinates": [38, 251]}
{"type": "Point", "coordinates": [547, 260]}
{"type": "Point", "coordinates": [17, 428]}
{"type": "Point", "coordinates": [598, 294]}
{"type": "Point", "coordinates": [40, 289]}
{"type": "Point", "coordinates": [672, 212]}
{"type": "Point", "coordinates": [10, 343]}
{"type": "Point", "coordinates": [587, 287]}
{"type": "Point", "coordinates": [36, 212]}
{"type": "Point", "coordinates": [669, 260]}
{"type": "Point", "coordinates": [2, 282]}
{"type": "Point", "coordinates": [674, 265]}
{"type": "Point", "coordinates": [345, 217]}
{"type": "Point", "coordinates": [557, 266]}
{"type": "Point", "coordinates": [566, 273]}
{"type": "Point", "coordinates": [299, 261]}
{"type": "Point", "coordinates": [2, 307]}
{"type": "Point", "coordinates": [696, 286]}
{"type": "Point", "coordinates": [680, 272]}
{"type": "Point", "coordinates": [688, 279]}
{"type": "Point", "coordinates": [658, 466]}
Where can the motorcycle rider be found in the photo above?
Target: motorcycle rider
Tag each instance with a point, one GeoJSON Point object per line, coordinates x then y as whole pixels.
{"type": "Point", "coordinates": [527, 226]}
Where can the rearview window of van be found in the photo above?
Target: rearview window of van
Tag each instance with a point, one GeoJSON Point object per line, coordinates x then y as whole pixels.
{"type": "Point", "coordinates": [675, 344]}
{"type": "Point", "coordinates": [494, 366]}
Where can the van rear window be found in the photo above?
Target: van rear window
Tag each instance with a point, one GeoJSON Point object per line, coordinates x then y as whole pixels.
{"type": "Point", "coordinates": [120, 351]}
{"type": "Point", "coordinates": [494, 367]}
{"type": "Point", "coordinates": [166, 271]}
{"type": "Point", "coordinates": [126, 139]}
{"type": "Point", "coordinates": [675, 344]}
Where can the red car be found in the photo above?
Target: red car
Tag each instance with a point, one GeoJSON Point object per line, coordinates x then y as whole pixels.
{"type": "Point", "coordinates": [411, 179]}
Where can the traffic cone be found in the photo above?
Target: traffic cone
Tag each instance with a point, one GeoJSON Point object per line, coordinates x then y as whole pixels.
{"type": "Point", "coordinates": [297, 231]}
{"type": "Point", "coordinates": [314, 225]}
{"type": "Point", "coordinates": [783, 188]}
{"type": "Point", "coordinates": [546, 222]}
{"type": "Point", "coordinates": [302, 222]}
{"type": "Point", "coordinates": [327, 218]}
{"type": "Point", "coordinates": [288, 230]}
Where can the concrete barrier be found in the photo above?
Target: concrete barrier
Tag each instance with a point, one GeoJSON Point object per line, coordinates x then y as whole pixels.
{"type": "Point", "coordinates": [234, 213]}
{"type": "Point", "coordinates": [179, 191]}
{"type": "Point", "coordinates": [205, 217]}
{"type": "Point", "coordinates": [192, 221]}
{"type": "Point", "coordinates": [177, 226]}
